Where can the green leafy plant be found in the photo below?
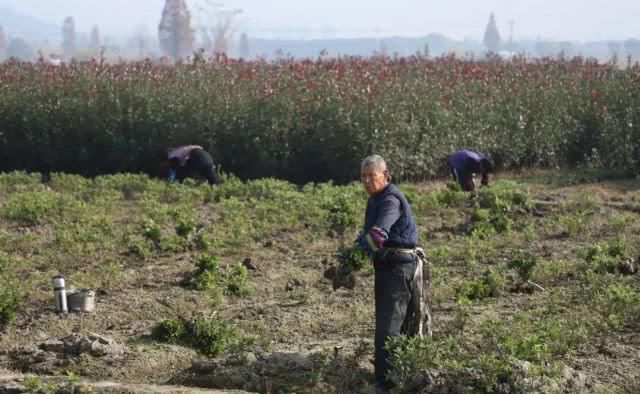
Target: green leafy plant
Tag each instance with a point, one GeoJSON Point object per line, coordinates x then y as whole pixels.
{"type": "Point", "coordinates": [10, 291]}
{"type": "Point", "coordinates": [209, 276]}
{"type": "Point", "coordinates": [32, 383]}
{"type": "Point", "coordinates": [602, 258]}
{"type": "Point", "coordinates": [352, 256]}
{"type": "Point", "coordinates": [208, 336]}
{"type": "Point", "coordinates": [524, 263]}
{"type": "Point", "coordinates": [341, 213]}
{"type": "Point", "coordinates": [489, 285]}
{"type": "Point", "coordinates": [171, 330]}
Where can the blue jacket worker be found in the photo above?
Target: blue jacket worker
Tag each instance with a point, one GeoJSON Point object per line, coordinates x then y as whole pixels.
{"type": "Point", "coordinates": [389, 237]}
{"type": "Point", "coordinates": [190, 161]}
{"type": "Point", "coordinates": [464, 163]}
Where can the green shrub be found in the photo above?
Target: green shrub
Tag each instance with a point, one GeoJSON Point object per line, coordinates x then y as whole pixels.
{"type": "Point", "coordinates": [151, 230]}
{"type": "Point", "coordinates": [172, 330]}
{"type": "Point", "coordinates": [318, 125]}
{"type": "Point", "coordinates": [212, 337]}
{"type": "Point", "coordinates": [524, 263]}
{"type": "Point", "coordinates": [480, 214]}
{"type": "Point", "coordinates": [489, 214]}
{"type": "Point", "coordinates": [602, 258]}
{"type": "Point", "coordinates": [451, 196]}
{"type": "Point", "coordinates": [341, 213]}
{"type": "Point", "coordinates": [185, 225]}
{"type": "Point", "coordinates": [32, 383]}
{"type": "Point", "coordinates": [10, 290]}
{"type": "Point", "coordinates": [30, 208]}
{"type": "Point", "coordinates": [236, 281]}
{"type": "Point", "coordinates": [138, 246]}
{"type": "Point", "coordinates": [619, 304]}
{"type": "Point", "coordinates": [9, 302]}
{"type": "Point", "coordinates": [489, 285]}
{"type": "Point", "coordinates": [233, 280]}
{"type": "Point", "coordinates": [208, 336]}
{"type": "Point", "coordinates": [575, 223]}
{"type": "Point", "coordinates": [412, 355]}
{"type": "Point", "coordinates": [502, 197]}
{"type": "Point", "coordinates": [207, 276]}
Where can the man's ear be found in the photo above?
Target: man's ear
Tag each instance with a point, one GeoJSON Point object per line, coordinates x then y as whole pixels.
{"type": "Point", "coordinates": [386, 175]}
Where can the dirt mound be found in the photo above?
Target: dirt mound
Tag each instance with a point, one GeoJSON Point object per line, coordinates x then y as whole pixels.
{"type": "Point", "coordinates": [267, 372]}
{"type": "Point", "coordinates": [57, 354]}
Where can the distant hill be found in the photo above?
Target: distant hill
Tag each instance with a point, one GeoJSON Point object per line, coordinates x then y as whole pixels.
{"type": "Point", "coordinates": [437, 44]}
{"type": "Point", "coordinates": [29, 28]}
{"type": "Point", "coordinates": [404, 46]}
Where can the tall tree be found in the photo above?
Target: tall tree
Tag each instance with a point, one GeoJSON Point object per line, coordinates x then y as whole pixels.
{"type": "Point", "coordinates": [383, 48]}
{"type": "Point", "coordinates": [174, 32]}
{"type": "Point", "coordinates": [244, 45]}
{"type": "Point", "coordinates": [3, 43]}
{"type": "Point", "coordinates": [216, 25]}
{"type": "Point", "coordinates": [68, 37]}
{"type": "Point", "coordinates": [94, 39]}
{"type": "Point", "coordinates": [491, 35]}
{"type": "Point", "coordinates": [614, 48]}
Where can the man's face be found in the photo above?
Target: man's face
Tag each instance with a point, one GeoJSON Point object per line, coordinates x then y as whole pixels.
{"type": "Point", "coordinates": [373, 178]}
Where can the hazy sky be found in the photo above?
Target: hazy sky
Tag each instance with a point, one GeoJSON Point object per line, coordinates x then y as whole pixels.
{"type": "Point", "coordinates": [579, 20]}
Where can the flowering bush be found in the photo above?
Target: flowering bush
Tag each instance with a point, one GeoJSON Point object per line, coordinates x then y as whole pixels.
{"type": "Point", "coordinates": [313, 120]}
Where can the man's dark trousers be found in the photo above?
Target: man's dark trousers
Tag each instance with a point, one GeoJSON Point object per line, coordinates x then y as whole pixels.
{"type": "Point", "coordinates": [393, 291]}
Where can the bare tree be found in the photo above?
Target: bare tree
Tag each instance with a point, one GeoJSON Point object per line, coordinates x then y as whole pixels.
{"type": "Point", "coordinates": [141, 42]}
{"type": "Point", "coordinates": [216, 26]}
{"type": "Point", "coordinates": [491, 35]}
{"type": "Point", "coordinates": [383, 48]}
{"type": "Point", "coordinates": [244, 45]}
{"type": "Point", "coordinates": [174, 32]}
{"type": "Point", "coordinates": [68, 37]}
{"type": "Point", "coordinates": [94, 39]}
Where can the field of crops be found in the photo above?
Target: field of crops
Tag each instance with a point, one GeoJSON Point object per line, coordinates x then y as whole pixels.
{"type": "Point", "coordinates": [533, 287]}
{"type": "Point", "coordinates": [313, 120]}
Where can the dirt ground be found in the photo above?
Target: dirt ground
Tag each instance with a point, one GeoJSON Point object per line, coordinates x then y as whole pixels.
{"type": "Point", "coordinates": [295, 309]}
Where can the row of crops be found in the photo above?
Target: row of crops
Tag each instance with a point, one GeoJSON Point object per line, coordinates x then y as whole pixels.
{"type": "Point", "coordinates": [314, 120]}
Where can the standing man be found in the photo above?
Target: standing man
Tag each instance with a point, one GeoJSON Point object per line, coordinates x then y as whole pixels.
{"type": "Point", "coordinates": [464, 163]}
{"type": "Point", "coordinates": [190, 161]}
{"type": "Point", "coordinates": [389, 237]}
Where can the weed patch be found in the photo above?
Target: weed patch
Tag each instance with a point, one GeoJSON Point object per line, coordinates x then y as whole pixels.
{"type": "Point", "coordinates": [10, 291]}
{"type": "Point", "coordinates": [211, 277]}
{"type": "Point", "coordinates": [208, 336]}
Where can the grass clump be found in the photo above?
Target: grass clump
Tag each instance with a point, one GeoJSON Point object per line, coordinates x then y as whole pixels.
{"type": "Point", "coordinates": [212, 277]}
{"type": "Point", "coordinates": [170, 330]}
{"type": "Point", "coordinates": [37, 207]}
{"type": "Point", "coordinates": [10, 292]}
{"type": "Point", "coordinates": [340, 214]}
{"type": "Point", "coordinates": [489, 285]}
{"type": "Point", "coordinates": [602, 257]}
{"type": "Point", "coordinates": [451, 196]}
{"type": "Point", "coordinates": [524, 264]}
{"type": "Point", "coordinates": [208, 336]}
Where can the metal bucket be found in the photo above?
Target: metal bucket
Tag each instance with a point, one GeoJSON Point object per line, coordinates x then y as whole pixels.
{"type": "Point", "coordinates": [82, 300]}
